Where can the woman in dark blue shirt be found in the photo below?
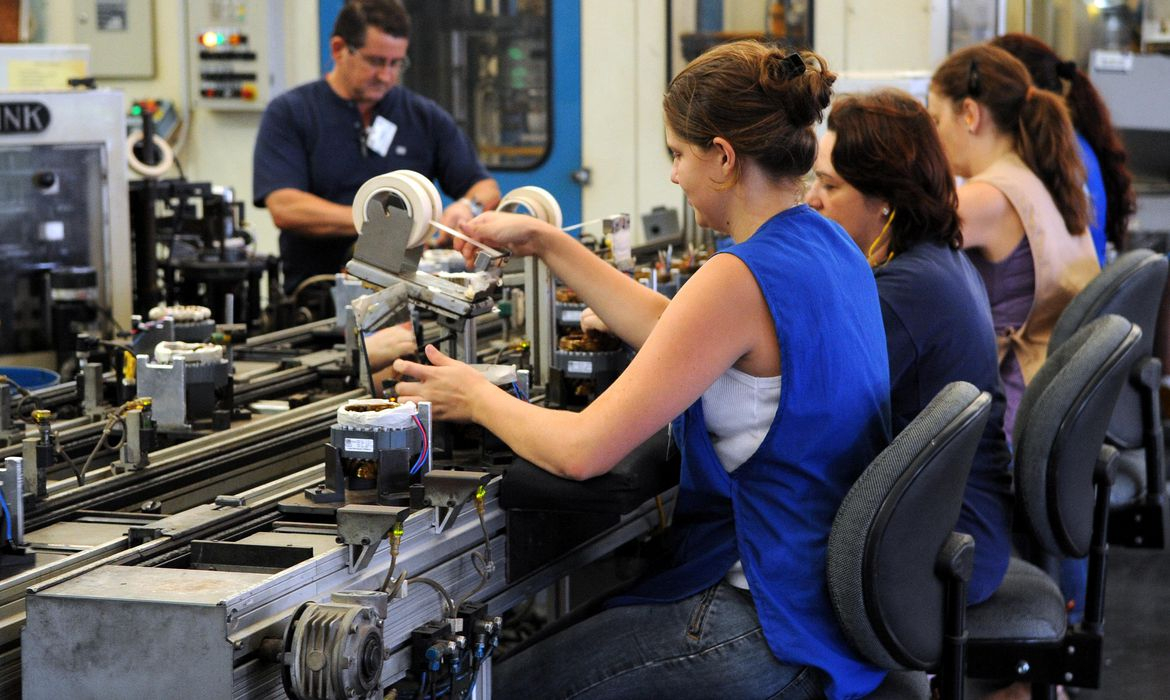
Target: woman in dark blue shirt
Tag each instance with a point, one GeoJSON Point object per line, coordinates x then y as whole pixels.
{"type": "Point", "coordinates": [881, 173]}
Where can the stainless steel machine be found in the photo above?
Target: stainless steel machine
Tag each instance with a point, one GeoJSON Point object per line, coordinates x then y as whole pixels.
{"type": "Point", "coordinates": [64, 229]}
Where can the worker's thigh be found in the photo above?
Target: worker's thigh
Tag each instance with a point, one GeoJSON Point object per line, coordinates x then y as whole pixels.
{"type": "Point", "coordinates": [707, 646]}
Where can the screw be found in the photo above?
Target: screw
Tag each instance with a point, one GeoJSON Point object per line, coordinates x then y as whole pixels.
{"type": "Point", "coordinates": [1068, 676]}
{"type": "Point", "coordinates": [1023, 667]}
{"type": "Point", "coordinates": [1071, 650]}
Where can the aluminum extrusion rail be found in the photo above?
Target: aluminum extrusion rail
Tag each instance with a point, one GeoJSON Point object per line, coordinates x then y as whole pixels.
{"type": "Point", "coordinates": [180, 466]}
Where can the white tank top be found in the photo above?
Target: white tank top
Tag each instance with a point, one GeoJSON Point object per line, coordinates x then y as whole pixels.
{"type": "Point", "coordinates": [739, 409]}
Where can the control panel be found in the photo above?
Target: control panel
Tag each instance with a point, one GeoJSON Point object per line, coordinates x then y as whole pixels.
{"type": "Point", "coordinates": [236, 49]}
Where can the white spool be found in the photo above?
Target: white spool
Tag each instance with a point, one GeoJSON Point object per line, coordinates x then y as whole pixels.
{"type": "Point", "coordinates": [181, 314]}
{"type": "Point", "coordinates": [416, 192]}
{"type": "Point", "coordinates": [537, 200]}
{"type": "Point", "coordinates": [192, 353]}
{"type": "Point", "coordinates": [167, 156]}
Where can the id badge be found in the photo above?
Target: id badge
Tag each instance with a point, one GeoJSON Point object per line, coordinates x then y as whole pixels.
{"type": "Point", "coordinates": [381, 135]}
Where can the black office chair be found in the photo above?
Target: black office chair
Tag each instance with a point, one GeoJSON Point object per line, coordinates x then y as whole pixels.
{"type": "Point", "coordinates": [1063, 477]}
{"type": "Point", "coordinates": [1132, 287]}
{"type": "Point", "coordinates": [897, 573]}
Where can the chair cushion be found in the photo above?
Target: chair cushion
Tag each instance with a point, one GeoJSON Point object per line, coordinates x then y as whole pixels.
{"type": "Point", "coordinates": [1027, 605]}
{"type": "Point", "coordinates": [903, 685]}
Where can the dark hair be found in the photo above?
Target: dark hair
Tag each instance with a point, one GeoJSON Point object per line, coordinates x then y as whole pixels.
{"type": "Point", "coordinates": [388, 16]}
{"type": "Point", "coordinates": [1036, 119]}
{"type": "Point", "coordinates": [887, 147]}
{"type": "Point", "coordinates": [763, 101]}
{"type": "Point", "coordinates": [1090, 117]}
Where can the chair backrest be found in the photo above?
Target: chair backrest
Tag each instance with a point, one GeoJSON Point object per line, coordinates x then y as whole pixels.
{"type": "Point", "coordinates": [891, 526]}
{"type": "Point", "coordinates": [1060, 428]}
{"type": "Point", "coordinates": [1131, 287]}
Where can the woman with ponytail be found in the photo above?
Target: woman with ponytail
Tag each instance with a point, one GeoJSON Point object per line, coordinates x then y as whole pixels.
{"type": "Point", "coordinates": [1023, 206]}
{"type": "Point", "coordinates": [773, 358]}
{"type": "Point", "coordinates": [881, 173]}
{"type": "Point", "coordinates": [1110, 185]}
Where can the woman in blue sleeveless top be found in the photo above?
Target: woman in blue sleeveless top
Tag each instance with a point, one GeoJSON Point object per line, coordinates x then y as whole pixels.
{"type": "Point", "coordinates": [773, 360]}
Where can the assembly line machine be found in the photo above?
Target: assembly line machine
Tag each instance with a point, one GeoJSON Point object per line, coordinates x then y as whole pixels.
{"type": "Point", "coordinates": [342, 547]}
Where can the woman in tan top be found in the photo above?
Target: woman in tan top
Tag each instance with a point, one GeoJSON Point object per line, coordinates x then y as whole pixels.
{"type": "Point", "coordinates": [1023, 206]}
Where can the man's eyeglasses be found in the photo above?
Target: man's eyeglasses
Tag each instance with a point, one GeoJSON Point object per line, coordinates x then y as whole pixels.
{"type": "Point", "coordinates": [381, 62]}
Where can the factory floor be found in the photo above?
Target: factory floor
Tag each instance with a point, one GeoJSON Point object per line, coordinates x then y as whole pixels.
{"type": "Point", "coordinates": [1137, 627]}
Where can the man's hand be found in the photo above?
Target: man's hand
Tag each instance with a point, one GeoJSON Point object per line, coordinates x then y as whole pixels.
{"type": "Point", "coordinates": [389, 344]}
{"type": "Point", "coordinates": [454, 216]}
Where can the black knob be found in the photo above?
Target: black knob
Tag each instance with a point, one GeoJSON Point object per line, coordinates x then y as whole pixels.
{"type": "Point", "coordinates": [44, 179]}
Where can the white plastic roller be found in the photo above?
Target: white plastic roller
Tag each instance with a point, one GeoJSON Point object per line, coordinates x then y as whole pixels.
{"type": "Point", "coordinates": [165, 161]}
{"type": "Point", "coordinates": [416, 192]}
{"type": "Point", "coordinates": [538, 201]}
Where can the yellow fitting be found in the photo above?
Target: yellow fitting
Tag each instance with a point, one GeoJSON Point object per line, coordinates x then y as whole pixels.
{"type": "Point", "coordinates": [41, 415]}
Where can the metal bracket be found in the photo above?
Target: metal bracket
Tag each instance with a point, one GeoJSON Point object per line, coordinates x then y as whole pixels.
{"type": "Point", "coordinates": [447, 490]}
{"type": "Point", "coordinates": [362, 528]}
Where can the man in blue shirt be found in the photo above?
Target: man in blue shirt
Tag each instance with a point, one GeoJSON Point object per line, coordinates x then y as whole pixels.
{"type": "Point", "coordinates": [319, 142]}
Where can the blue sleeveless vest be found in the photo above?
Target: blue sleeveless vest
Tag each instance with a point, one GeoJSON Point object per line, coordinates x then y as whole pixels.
{"type": "Point", "coordinates": [775, 511]}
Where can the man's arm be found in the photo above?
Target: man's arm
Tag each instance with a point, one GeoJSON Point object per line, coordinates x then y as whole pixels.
{"type": "Point", "coordinates": [299, 211]}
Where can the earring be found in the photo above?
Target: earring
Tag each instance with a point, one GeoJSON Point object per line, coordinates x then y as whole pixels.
{"type": "Point", "coordinates": [885, 211]}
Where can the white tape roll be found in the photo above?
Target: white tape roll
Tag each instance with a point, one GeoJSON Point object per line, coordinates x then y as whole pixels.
{"type": "Point", "coordinates": [167, 156]}
{"type": "Point", "coordinates": [416, 192]}
{"type": "Point", "coordinates": [429, 187]}
{"type": "Point", "coordinates": [538, 201]}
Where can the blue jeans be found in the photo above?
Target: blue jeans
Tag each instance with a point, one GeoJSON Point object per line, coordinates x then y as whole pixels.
{"type": "Point", "coordinates": [707, 646]}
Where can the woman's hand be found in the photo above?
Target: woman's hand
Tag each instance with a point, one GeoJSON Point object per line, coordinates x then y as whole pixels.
{"type": "Point", "coordinates": [521, 234]}
{"type": "Point", "coordinates": [452, 387]}
{"type": "Point", "coordinates": [590, 321]}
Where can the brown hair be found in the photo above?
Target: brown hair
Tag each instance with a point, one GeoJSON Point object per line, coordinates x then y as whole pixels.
{"type": "Point", "coordinates": [387, 16]}
{"type": "Point", "coordinates": [887, 147]}
{"type": "Point", "coordinates": [1036, 119]}
{"type": "Point", "coordinates": [1090, 117]}
{"type": "Point", "coordinates": [762, 100]}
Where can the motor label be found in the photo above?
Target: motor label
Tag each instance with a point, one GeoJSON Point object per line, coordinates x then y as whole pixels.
{"type": "Point", "coordinates": [359, 445]}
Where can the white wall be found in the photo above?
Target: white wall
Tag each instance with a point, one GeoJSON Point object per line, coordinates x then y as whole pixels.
{"type": "Point", "coordinates": [623, 55]}
{"type": "Point", "coordinates": [219, 144]}
{"type": "Point", "coordinates": [869, 36]}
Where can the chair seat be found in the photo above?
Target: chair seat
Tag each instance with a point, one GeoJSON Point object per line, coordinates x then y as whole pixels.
{"type": "Point", "coordinates": [903, 685]}
{"type": "Point", "coordinates": [1130, 483]}
{"type": "Point", "coordinates": [1027, 605]}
